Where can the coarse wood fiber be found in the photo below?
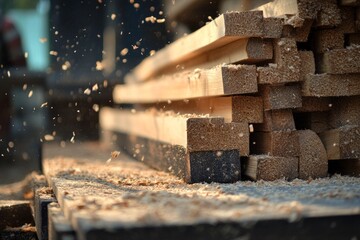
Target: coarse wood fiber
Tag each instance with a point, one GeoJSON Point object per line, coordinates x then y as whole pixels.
{"type": "Point", "coordinates": [345, 111]}
{"type": "Point", "coordinates": [328, 85]}
{"type": "Point", "coordinates": [275, 143]}
{"type": "Point", "coordinates": [270, 168]}
{"type": "Point", "coordinates": [315, 104]}
{"type": "Point", "coordinates": [342, 142]}
{"type": "Point", "coordinates": [281, 97]}
{"type": "Point", "coordinates": [340, 61]}
{"type": "Point", "coordinates": [286, 66]}
{"type": "Point", "coordinates": [277, 120]}
{"type": "Point", "coordinates": [313, 162]}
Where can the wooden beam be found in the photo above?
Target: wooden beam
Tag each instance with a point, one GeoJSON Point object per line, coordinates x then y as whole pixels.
{"type": "Point", "coordinates": [225, 29]}
{"type": "Point", "coordinates": [327, 85]}
{"type": "Point", "coordinates": [277, 120]}
{"type": "Point", "coordinates": [313, 162]}
{"type": "Point", "coordinates": [59, 226]}
{"type": "Point", "coordinates": [194, 167]}
{"type": "Point", "coordinates": [307, 64]}
{"type": "Point", "coordinates": [342, 143]}
{"type": "Point", "coordinates": [270, 168]}
{"type": "Point", "coordinates": [193, 132]}
{"type": "Point", "coordinates": [344, 111]}
{"type": "Point", "coordinates": [340, 61]}
{"type": "Point", "coordinates": [328, 39]}
{"type": "Point", "coordinates": [275, 143]}
{"type": "Point", "coordinates": [286, 66]}
{"type": "Point", "coordinates": [242, 109]}
{"type": "Point", "coordinates": [219, 81]}
{"type": "Point", "coordinates": [315, 104]}
{"type": "Point", "coordinates": [281, 97]}
{"type": "Point", "coordinates": [246, 51]}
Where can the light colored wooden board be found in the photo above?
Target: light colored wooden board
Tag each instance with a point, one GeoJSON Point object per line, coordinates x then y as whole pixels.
{"type": "Point", "coordinates": [193, 132]}
{"type": "Point", "coordinates": [224, 29]}
{"type": "Point", "coordinates": [270, 168]}
{"type": "Point", "coordinates": [339, 61]}
{"type": "Point", "coordinates": [247, 109]}
{"type": "Point", "coordinates": [326, 85]}
{"type": "Point", "coordinates": [313, 162]}
{"type": "Point", "coordinates": [342, 143]}
{"type": "Point", "coordinates": [219, 81]}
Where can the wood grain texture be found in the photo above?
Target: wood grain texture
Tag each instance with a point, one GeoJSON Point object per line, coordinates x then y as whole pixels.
{"type": "Point", "coordinates": [219, 81]}
{"type": "Point", "coordinates": [307, 64]}
{"type": "Point", "coordinates": [339, 61]}
{"type": "Point", "coordinates": [275, 143]}
{"type": "Point", "coordinates": [242, 109]}
{"type": "Point", "coordinates": [277, 120]}
{"type": "Point", "coordinates": [281, 97]}
{"type": "Point", "coordinates": [270, 168]}
{"type": "Point", "coordinates": [315, 104]}
{"type": "Point", "coordinates": [342, 142]}
{"type": "Point", "coordinates": [327, 85]}
{"type": "Point", "coordinates": [224, 29]}
{"type": "Point", "coordinates": [313, 162]}
{"type": "Point", "coordinates": [286, 66]}
{"type": "Point", "coordinates": [193, 133]}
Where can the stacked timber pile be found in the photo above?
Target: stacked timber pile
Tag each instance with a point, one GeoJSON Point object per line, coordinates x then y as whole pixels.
{"type": "Point", "coordinates": [271, 93]}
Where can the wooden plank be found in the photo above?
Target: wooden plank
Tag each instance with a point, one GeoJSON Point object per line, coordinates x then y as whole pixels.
{"type": "Point", "coordinates": [15, 213]}
{"type": "Point", "coordinates": [59, 226]}
{"type": "Point", "coordinates": [43, 197]}
{"type": "Point", "coordinates": [218, 81]}
{"type": "Point", "coordinates": [339, 61]}
{"type": "Point", "coordinates": [242, 109]}
{"type": "Point", "coordinates": [125, 199]}
{"type": "Point", "coordinates": [275, 143]}
{"type": "Point", "coordinates": [319, 121]}
{"type": "Point", "coordinates": [246, 51]}
{"type": "Point", "coordinates": [328, 39]}
{"type": "Point", "coordinates": [277, 120]}
{"type": "Point", "coordinates": [287, 64]}
{"type": "Point", "coordinates": [300, 34]}
{"type": "Point", "coordinates": [270, 168]}
{"type": "Point", "coordinates": [224, 29]}
{"type": "Point", "coordinates": [193, 132]}
{"type": "Point", "coordinates": [315, 104]}
{"type": "Point", "coordinates": [200, 166]}
{"type": "Point", "coordinates": [342, 143]}
{"type": "Point", "coordinates": [313, 162]}
{"type": "Point", "coordinates": [327, 85]}
{"type": "Point", "coordinates": [241, 5]}
{"type": "Point", "coordinates": [345, 111]}
{"type": "Point", "coordinates": [307, 64]}
{"type": "Point", "coordinates": [281, 97]}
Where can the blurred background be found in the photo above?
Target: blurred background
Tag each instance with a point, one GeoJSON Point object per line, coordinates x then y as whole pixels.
{"type": "Point", "coordinates": [68, 55]}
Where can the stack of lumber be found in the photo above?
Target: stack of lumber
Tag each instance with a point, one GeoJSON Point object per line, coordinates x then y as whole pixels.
{"type": "Point", "coordinates": [266, 92]}
{"type": "Point", "coordinates": [86, 198]}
